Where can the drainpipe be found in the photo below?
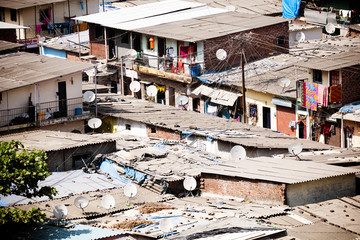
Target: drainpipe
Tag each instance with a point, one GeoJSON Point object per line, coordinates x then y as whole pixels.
{"type": "Point", "coordinates": [342, 131]}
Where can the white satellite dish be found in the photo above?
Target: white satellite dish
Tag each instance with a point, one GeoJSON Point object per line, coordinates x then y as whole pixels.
{"type": "Point", "coordinates": [151, 91]}
{"type": "Point", "coordinates": [91, 72]}
{"type": "Point", "coordinates": [133, 53]}
{"type": "Point", "coordinates": [60, 211]}
{"type": "Point", "coordinates": [130, 190]}
{"type": "Point", "coordinates": [231, 8]}
{"type": "Point", "coordinates": [284, 82]}
{"type": "Point", "coordinates": [135, 86]}
{"type": "Point", "coordinates": [81, 202]}
{"type": "Point", "coordinates": [237, 153]}
{"type": "Point", "coordinates": [300, 37]}
{"type": "Point", "coordinates": [108, 202]}
{"type": "Point", "coordinates": [189, 183]}
{"type": "Point", "coordinates": [94, 123]}
{"type": "Point", "coordinates": [221, 54]}
{"type": "Point", "coordinates": [89, 96]}
{"type": "Point", "coordinates": [182, 100]}
{"type": "Point", "coordinates": [295, 148]}
{"type": "Point", "coordinates": [330, 28]}
{"type": "Point", "coordinates": [166, 225]}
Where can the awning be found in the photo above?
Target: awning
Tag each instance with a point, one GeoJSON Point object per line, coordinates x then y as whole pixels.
{"type": "Point", "coordinates": [281, 102]}
{"type": "Point", "coordinates": [217, 96]}
{"type": "Point", "coordinates": [348, 116]}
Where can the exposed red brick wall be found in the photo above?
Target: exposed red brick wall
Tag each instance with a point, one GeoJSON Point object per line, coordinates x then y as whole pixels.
{"type": "Point", "coordinates": [335, 140]}
{"type": "Point", "coordinates": [350, 84]}
{"type": "Point", "coordinates": [97, 47]}
{"type": "Point", "coordinates": [283, 117]}
{"type": "Point", "coordinates": [250, 190]}
{"type": "Point", "coordinates": [163, 133]}
{"type": "Point", "coordinates": [72, 56]}
{"type": "Point", "coordinates": [264, 42]}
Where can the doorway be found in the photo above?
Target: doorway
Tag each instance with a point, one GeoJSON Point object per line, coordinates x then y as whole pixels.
{"type": "Point", "coordinates": [161, 47]}
{"type": "Point", "coordinates": [172, 96]}
{"type": "Point", "coordinates": [62, 98]}
{"type": "Point", "coordinates": [266, 117]}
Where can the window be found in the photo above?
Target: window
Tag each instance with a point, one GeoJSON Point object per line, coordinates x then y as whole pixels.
{"type": "Point", "coordinates": [85, 77]}
{"type": "Point", "coordinates": [79, 160]}
{"type": "Point", "coordinates": [281, 40]}
{"type": "Point", "coordinates": [13, 15]}
{"type": "Point", "coordinates": [125, 38]}
{"type": "Point", "coordinates": [99, 32]}
{"type": "Point", "coordinates": [153, 130]}
{"type": "Point", "coordinates": [334, 78]}
{"type": "Point", "coordinates": [317, 76]}
{"type": "Point", "coordinates": [127, 126]}
{"type": "Point", "coordinates": [45, 15]}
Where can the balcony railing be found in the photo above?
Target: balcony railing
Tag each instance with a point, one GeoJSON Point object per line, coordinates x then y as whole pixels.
{"type": "Point", "coordinates": [41, 112]}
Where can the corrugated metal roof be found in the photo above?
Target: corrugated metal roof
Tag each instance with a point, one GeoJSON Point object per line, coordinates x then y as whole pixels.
{"type": "Point", "coordinates": [23, 69]}
{"type": "Point", "coordinates": [5, 45]}
{"type": "Point", "coordinates": [55, 141]}
{"type": "Point", "coordinates": [4, 25]}
{"type": "Point", "coordinates": [19, 4]}
{"type": "Point", "coordinates": [333, 62]}
{"type": "Point", "coordinates": [218, 96]}
{"type": "Point", "coordinates": [279, 170]}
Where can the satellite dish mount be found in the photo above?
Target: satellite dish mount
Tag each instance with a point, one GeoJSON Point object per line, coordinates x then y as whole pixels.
{"type": "Point", "coordinates": [189, 185]}
{"type": "Point", "coordinates": [130, 191]}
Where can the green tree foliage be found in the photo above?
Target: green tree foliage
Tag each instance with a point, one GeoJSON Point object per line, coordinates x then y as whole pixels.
{"type": "Point", "coordinates": [20, 172]}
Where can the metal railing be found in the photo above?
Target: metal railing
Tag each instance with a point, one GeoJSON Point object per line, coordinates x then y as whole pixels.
{"type": "Point", "coordinates": [41, 112]}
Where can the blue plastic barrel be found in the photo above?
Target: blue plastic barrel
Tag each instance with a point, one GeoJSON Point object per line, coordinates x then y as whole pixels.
{"type": "Point", "coordinates": [78, 111]}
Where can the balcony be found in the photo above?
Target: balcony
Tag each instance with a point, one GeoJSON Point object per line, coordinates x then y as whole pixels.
{"type": "Point", "coordinates": [43, 114]}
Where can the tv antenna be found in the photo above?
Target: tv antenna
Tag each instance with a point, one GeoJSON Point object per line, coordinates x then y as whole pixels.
{"type": "Point", "coordinates": [89, 96]}
{"type": "Point", "coordinates": [300, 37]}
{"type": "Point", "coordinates": [221, 54]}
{"type": "Point", "coordinates": [330, 28]}
{"type": "Point", "coordinates": [190, 184]}
{"type": "Point", "coordinates": [81, 202]}
{"type": "Point", "coordinates": [166, 226]}
{"type": "Point", "coordinates": [295, 149]}
{"type": "Point", "coordinates": [135, 86]}
{"type": "Point", "coordinates": [60, 212]}
{"type": "Point", "coordinates": [108, 202]}
{"type": "Point", "coordinates": [130, 191]}
{"type": "Point", "coordinates": [237, 153]}
{"type": "Point", "coordinates": [182, 100]}
{"type": "Point", "coordinates": [94, 123]}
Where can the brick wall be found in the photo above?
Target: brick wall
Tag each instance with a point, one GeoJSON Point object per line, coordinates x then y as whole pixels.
{"type": "Point", "coordinates": [350, 84]}
{"type": "Point", "coordinates": [283, 117]}
{"type": "Point", "coordinates": [263, 42]}
{"type": "Point", "coordinates": [72, 56]}
{"type": "Point", "coordinates": [250, 190]}
{"type": "Point", "coordinates": [97, 47]}
{"type": "Point", "coordinates": [162, 133]}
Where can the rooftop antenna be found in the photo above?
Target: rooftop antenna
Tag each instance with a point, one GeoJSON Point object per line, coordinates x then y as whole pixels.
{"type": "Point", "coordinates": [81, 202]}
{"type": "Point", "coordinates": [284, 83]}
{"type": "Point", "coordinates": [89, 96]}
{"type": "Point", "coordinates": [330, 28]}
{"type": "Point", "coordinates": [221, 54]}
{"type": "Point", "coordinates": [130, 191]}
{"type": "Point", "coordinates": [94, 123]}
{"type": "Point", "coordinates": [166, 226]}
{"type": "Point", "coordinates": [108, 202]}
{"type": "Point", "coordinates": [60, 212]}
{"type": "Point", "coordinates": [295, 149]}
{"type": "Point", "coordinates": [189, 184]}
{"type": "Point", "coordinates": [300, 37]}
{"type": "Point", "coordinates": [151, 91]}
{"type": "Point", "coordinates": [135, 86]}
{"type": "Point", "coordinates": [237, 153]}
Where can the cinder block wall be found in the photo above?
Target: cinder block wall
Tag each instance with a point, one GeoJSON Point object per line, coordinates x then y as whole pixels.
{"type": "Point", "coordinates": [250, 190]}
{"type": "Point", "coordinates": [264, 42]}
{"type": "Point", "coordinates": [350, 84]}
{"type": "Point", "coordinates": [162, 133]}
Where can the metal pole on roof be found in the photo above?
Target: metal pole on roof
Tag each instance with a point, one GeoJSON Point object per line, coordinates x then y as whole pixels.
{"type": "Point", "coordinates": [103, 5]}
{"type": "Point", "coordinates": [53, 17]}
{"type": "Point", "coordinates": [122, 76]}
{"type": "Point", "coordinates": [78, 30]}
{"type": "Point", "coordinates": [69, 15]}
{"type": "Point", "coordinates": [243, 83]}
{"type": "Point", "coordinates": [96, 107]}
{"type": "Point", "coordinates": [342, 131]}
{"type": "Point", "coordinates": [87, 11]}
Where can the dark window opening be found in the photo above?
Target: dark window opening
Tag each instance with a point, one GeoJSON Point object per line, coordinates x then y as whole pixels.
{"type": "Point", "coordinates": [45, 15]}
{"type": "Point", "coordinates": [13, 16]}
{"type": "Point", "coordinates": [153, 130]}
{"type": "Point", "coordinates": [192, 49]}
{"type": "Point", "coordinates": [317, 76]}
{"type": "Point", "coordinates": [125, 38]}
{"type": "Point", "coordinates": [78, 160]}
{"type": "Point", "coordinates": [0, 96]}
{"type": "Point", "coordinates": [281, 40]}
{"type": "Point", "coordinates": [334, 78]}
{"type": "Point", "coordinates": [127, 126]}
{"type": "Point", "coordinates": [85, 77]}
{"type": "Point", "coordinates": [136, 41]}
{"type": "Point", "coordinates": [99, 32]}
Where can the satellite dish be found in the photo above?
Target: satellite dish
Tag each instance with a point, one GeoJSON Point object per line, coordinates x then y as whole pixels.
{"type": "Point", "coordinates": [221, 54]}
{"type": "Point", "coordinates": [238, 153]}
{"type": "Point", "coordinates": [284, 82]}
{"type": "Point", "coordinates": [300, 37]}
{"type": "Point", "coordinates": [182, 100]}
{"type": "Point", "coordinates": [89, 96]}
{"type": "Point", "coordinates": [135, 86]}
{"type": "Point", "coordinates": [108, 202]}
{"type": "Point", "coordinates": [151, 91]}
{"type": "Point", "coordinates": [295, 148]}
{"type": "Point", "coordinates": [330, 28]}
{"type": "Point", "coordinates": [60, 211]}
{"type": "Point", "coordinates": [189, 183]}
{"type": "Point", "coordinates": [91, 73]}
{"type": "Point", "coordinates": [166, 225]}
{"type": "Point", "coordinates": [94, 123]}
{"type": "Point", "coordinates": [231, 8]}
{"type": "Point", "coordinates": [130, 190]}
{"type": "Point", "coordinates": [133, 53]}
{"type": "Point", "coordinates": [81, 202]}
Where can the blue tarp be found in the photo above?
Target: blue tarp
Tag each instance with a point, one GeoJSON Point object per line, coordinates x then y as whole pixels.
{"type": "Point", "coordinates": [291, 8]}
{"type": "Point", "coordinates": [107, 167]}
{"type": "Point", "coordinates": [133, 174]}
{"type": "Point", "coordinates": [350, 108]}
